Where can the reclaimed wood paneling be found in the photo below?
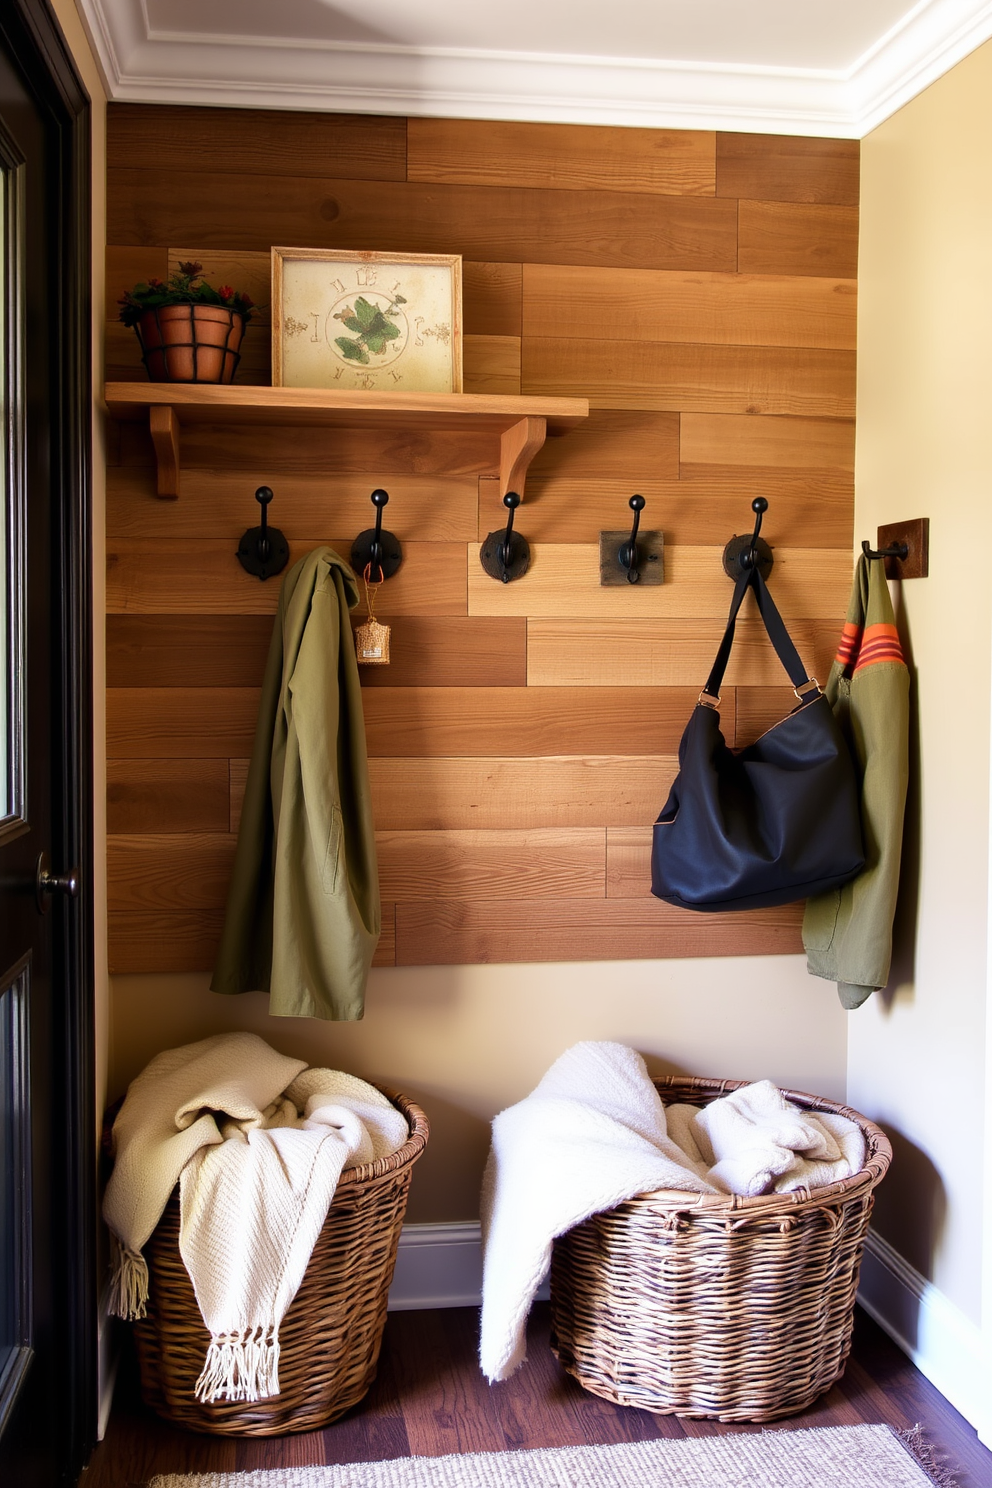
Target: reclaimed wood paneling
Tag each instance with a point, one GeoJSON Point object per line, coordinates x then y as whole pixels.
{"type": "Point", "coordinates": [522, 720]}
{"type": "Point", "coordinates": [697, 379]}
{"type": "Point", "coordinates": [471, 152]}
{"type": "Point", "coordinates": [432, 794]}
{"type": "Point", "coordinates": [782, 443]}
{"type": "Point", "coordinates": [187, 940]}
{"type": "Point", "coordinates": [699, 288]}
{"type": "Point", "coordinates": [780, 167]}
{"type": "Point", "coordinates": [624, 305]}
{"type": "Point", "coordinates": [446, 933]}
{"type": "Point", "coordinates": [563, 583]}
{"type": "Point", "coordinates": [220, 503]}
{"type": "Point", "coordinates": [793, 238]}
{"type": "Point", "coordinates": [151, 578]}
{"type": "Point", "coordinates": [526, 864]}
{"type": "Point", "coordinates": [667, 653]}
{"type": "Point", "coordinates": [257, 142]}
{"type": "Point", "coordinates": [167, 795]}
{"type": "Point", "coordinates": [223, 209]}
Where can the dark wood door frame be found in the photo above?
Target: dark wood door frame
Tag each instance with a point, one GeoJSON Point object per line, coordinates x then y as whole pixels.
{"type": "Point", "coordinates": [33, 36]}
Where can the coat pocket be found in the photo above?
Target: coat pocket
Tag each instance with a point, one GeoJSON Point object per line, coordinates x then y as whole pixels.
{"type": "Point", "coordinates": [332, 852]}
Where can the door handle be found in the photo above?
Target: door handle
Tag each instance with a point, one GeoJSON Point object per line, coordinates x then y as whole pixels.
{"type": "Point", "coordinates": [46, 884]}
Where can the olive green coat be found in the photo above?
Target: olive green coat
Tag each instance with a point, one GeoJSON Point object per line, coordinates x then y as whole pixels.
{"type": "Point", "coordinates": [848, 932]}
{"type": "Point", "coordinates": [303, 917]}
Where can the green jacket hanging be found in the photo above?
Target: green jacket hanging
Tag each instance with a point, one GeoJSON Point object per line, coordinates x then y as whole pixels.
{"type": "Point", "coordinates": [848, 932]}
{"type": "Point", "coordinates": [303, 915]}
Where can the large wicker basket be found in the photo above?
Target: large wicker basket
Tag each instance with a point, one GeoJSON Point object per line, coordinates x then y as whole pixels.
{"type": "Point", "coordinates": [330, 1337]}
{"type": "Point", "coordinates": [716, 1306]}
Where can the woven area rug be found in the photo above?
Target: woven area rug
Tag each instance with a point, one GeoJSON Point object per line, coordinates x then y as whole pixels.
{"type": "Point", "coordinates": [831, 1457]}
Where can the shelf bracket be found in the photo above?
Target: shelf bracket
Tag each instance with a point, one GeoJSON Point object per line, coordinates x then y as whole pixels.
{"type": "Point", "coordinates": [517, 447]}
{"type": "Point", "coordinates": [164, 427]}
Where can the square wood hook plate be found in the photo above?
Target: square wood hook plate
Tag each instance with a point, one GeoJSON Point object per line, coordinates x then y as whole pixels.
{"type": "Point", "coordinates": [916, 536]}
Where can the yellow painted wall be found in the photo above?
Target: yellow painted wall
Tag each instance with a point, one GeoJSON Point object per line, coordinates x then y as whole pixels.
{"type": "Point", "coordinates": [924, 448]}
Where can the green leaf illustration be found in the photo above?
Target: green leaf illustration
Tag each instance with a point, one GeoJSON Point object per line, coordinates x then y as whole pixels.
{"type": "Point", "coordinates": [351, 322]}
{"type": "Point", "coordinates": [366, 313]}
{"type": "Point", "coordinates": [352, 350]}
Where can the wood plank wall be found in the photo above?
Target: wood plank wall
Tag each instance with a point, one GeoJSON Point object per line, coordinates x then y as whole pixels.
{"type": "Point", "coordinates": [700, 290]}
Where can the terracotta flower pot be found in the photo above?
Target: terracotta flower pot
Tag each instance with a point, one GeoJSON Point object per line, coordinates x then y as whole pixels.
{"type": "Point", "coordinates": [190, 343]}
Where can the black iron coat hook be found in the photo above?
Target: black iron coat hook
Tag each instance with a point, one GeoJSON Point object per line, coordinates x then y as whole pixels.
{"type": "Point", "coordinates": [505, 554]}
{"type": "Point", "coordinates": [898, 550]}
{"type": "Point", "coordinates": [375, 549]}
{"type": "Point", "coordinates": [744, 553]}
{"type": "Point", "coordinates": [628, 555]}
{"type": "Point", "coordinates": [263, 551]}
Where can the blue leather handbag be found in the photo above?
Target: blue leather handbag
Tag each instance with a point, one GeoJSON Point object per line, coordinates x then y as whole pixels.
{"type": "Point", "coordinates": [764, 825]}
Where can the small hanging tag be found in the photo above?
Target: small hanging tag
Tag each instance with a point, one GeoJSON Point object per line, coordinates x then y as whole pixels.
{"type": "Point", "coordinates": [372, 638]}
{"type": "Point", "coordinates": [372, 644]}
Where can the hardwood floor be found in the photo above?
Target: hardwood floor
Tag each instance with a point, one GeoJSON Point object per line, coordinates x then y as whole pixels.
{"type": "Point", "coordinates": [430, 1399]}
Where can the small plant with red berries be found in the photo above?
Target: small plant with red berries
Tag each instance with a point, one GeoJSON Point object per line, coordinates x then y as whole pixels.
{"type": "Point", "coordinates": [185, 287]}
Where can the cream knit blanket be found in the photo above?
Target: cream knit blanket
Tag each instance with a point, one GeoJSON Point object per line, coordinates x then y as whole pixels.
{"type": "Point", "coordinates": [593, 1133]}
{"type": "Point", "coordinates": [257, 1143]}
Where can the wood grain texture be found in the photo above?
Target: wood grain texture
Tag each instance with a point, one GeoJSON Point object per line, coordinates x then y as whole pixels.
{"type": "Point", "coordinates": [429, 1398]}
{"type": "Point", "coordinates": [491, 295]}
{"type": "Point", "coordinates": [574, 302]}
{"type": "Point", "coordinates": [167, 795]}
{"type": "Point", "coordinates": [563, 583]}
{"type": "Point", "coordinates": [187, 940]}
{"type": "Point", "coordinates": [670, 162]}
{"type": "Point", "coordinates": [263, 142]}
{"type": "Point", "coordinates": [219, 503]}
{"type": "Point", "coordinates": [776, 167]}
{"type": "Point", "coordinates": [430, 795]}
{"type": "Point", "coordinates": [782, 443]}
{"type": "Point", "coordinates": [692, 378]}
{"type": "Point", "coordinates": [169, 576]}
{"type": "Point", "coordinates": [176, 651]}
{"type": "Point", "coordinates": [446, 933]}
{"type": "Point", "coordinates": [567, 863]}
{"type": "Point", "coordinates": [675, 652]}
{"type": "Point", "coordinates": [486, 224]}
{"type": "Point", "coordinates": [491, 364]}
{"type": "Point", "coordinates": [169, 871]}
{"type": "Point", "coordinates": [705, 507]}
{"type": "Point", "coordinates": [628, 862]}
{"type": "Point", "coordinates": [507, 768]}
{"type": "Point", "coordinates": [447, 721]}
{"type": "Point", "coordinates": [613, 444]}
{"type": "Point", "coordinates": [792, 238]}
{"type": "Point", "coordinates": [181, 723]}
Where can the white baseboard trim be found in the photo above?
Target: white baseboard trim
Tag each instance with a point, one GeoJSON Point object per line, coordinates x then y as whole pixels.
{"type": "Point", "coordinates": [944, 1345]}
{"type": "Point", "coordinates": [440, 1265]}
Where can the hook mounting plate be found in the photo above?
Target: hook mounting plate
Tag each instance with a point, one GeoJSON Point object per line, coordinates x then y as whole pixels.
{"type": "Point", "coordinates": [390, 558]}
{"type": "Point", "coordinates": [278, 555]}
{"type": "Point", "coordinates": [650, 558]}
{"type": "Point", "coordinates": [738, 546]}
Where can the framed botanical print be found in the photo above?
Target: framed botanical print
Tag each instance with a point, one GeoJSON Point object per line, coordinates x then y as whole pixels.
{"type": "Point", "coordinates": [377, 321]}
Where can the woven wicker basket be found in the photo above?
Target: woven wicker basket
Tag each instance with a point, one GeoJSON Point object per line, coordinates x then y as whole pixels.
{"type": "Point", "coordinates": [716, 1306]}
{"type": "Point", "coordinates": [330, 1337]}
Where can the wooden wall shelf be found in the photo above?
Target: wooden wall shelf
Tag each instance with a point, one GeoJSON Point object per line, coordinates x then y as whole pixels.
{"type": "Point", "coordinates": [519, 424]}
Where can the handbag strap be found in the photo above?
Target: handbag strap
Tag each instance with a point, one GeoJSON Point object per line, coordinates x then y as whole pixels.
{"type": "Point", "coordinates": [777, 634]}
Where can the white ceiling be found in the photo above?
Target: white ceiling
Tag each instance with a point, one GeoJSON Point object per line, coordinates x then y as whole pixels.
{"type": "Point", "coordinates": [815, 67]}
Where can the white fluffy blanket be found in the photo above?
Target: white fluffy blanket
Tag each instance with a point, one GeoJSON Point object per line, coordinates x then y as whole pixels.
{"type": "Point", "coordinates": [257, 1143]}
{"type": "Point", "coordinates": [594, 1133]}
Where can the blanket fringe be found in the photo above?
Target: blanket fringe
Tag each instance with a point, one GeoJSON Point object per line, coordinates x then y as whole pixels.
{"type": "Point", "coordinates": [240, 1366]}
{"type": "Point", "coordinates": [128, 1283]}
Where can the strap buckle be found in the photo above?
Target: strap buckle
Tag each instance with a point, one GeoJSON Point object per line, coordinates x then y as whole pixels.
{"type": "Point", "coordinates": [708, 700]}
{"type": "Point", "coordinates": [803, 691]}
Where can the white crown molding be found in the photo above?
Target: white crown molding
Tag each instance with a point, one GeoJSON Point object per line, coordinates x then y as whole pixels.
{"type": "Point", "coordinates": [158, 66]}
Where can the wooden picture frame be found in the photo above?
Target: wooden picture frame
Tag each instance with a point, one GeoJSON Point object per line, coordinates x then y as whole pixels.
{"type": "Point", "coordinates": [383, 322]}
